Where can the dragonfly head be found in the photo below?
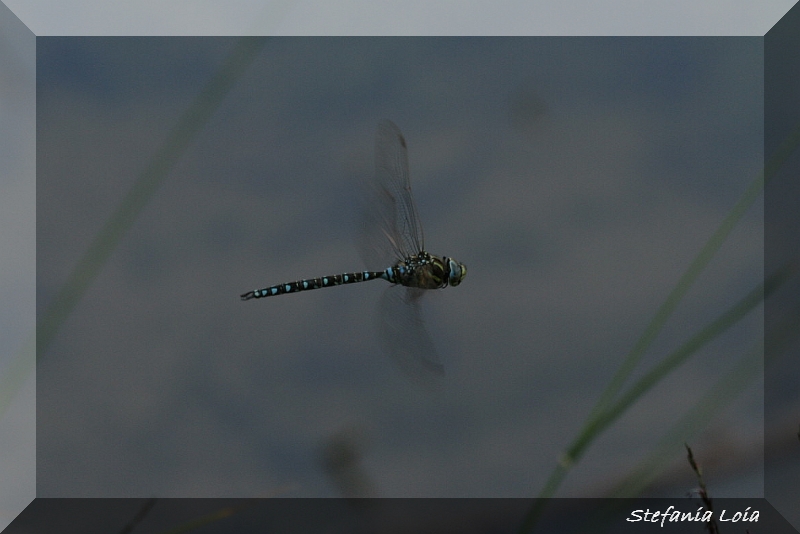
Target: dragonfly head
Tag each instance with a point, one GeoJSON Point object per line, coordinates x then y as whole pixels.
{"type": "Point", "coordinates": [457, 272]}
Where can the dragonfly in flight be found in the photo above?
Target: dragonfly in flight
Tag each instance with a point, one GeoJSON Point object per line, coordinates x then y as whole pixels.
{"type": "Point", "coordinates": [393, 237]}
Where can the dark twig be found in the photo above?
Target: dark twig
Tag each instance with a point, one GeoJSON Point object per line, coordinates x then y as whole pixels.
{"type": "Point", "coordinates": [702, 491]}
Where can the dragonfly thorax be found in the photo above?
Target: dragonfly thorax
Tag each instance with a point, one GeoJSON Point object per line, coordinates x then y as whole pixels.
{"type": "Point", "coordinates": [426, 271]}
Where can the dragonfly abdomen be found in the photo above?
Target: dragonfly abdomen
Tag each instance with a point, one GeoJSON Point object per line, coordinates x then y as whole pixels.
{"type": "Point", "coordinates": [314, 283]}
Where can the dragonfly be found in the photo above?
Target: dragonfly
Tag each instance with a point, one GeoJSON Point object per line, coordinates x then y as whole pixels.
{"type": "Point", "coordinates": [392, 236]}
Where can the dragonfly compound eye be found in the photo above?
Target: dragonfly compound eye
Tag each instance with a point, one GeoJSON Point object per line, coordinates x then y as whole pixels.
{"type": "Point", "coordinates": [457, 272]}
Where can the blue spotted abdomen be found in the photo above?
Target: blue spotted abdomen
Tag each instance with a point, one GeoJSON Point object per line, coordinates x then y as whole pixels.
{"type": "Point", "coordinates": [313, 283]}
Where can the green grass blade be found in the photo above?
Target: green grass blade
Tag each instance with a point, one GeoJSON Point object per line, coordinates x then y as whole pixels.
{"type": "Point", "coordinates": [695, 268]}
{"type": "Point", "coordinates": [601, 421]}
{"type": "Point", "coordinates": [679, 356]}
{"type": "Point", "coordinates": [678, 292]}
{"type": "Point", "coordinates": [106, 240]}
{"type": "Point", "coordinates": [566, 461]}
{"type": "Point", "coordinates": [104, 243]}
{"type": "Point", "coordinates": [721, 394]}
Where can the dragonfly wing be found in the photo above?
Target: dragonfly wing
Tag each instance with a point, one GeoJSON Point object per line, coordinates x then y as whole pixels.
{"type": "Point", "coordinates": [404, 334]}
{"type": "Point", "coordinates": [400, 222]}
{"type": "Point", "coordinates": [379, 243]}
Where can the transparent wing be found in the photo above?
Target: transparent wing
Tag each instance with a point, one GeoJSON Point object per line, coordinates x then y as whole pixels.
{"type": "Point", "coordinates": [391, 232]}
{"type": "Point", "coordinates": [378, 235]}
{"type": "Point", "coordinates": [392, 228]}
{"type": "Point", "coordinates": [404, 334]}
